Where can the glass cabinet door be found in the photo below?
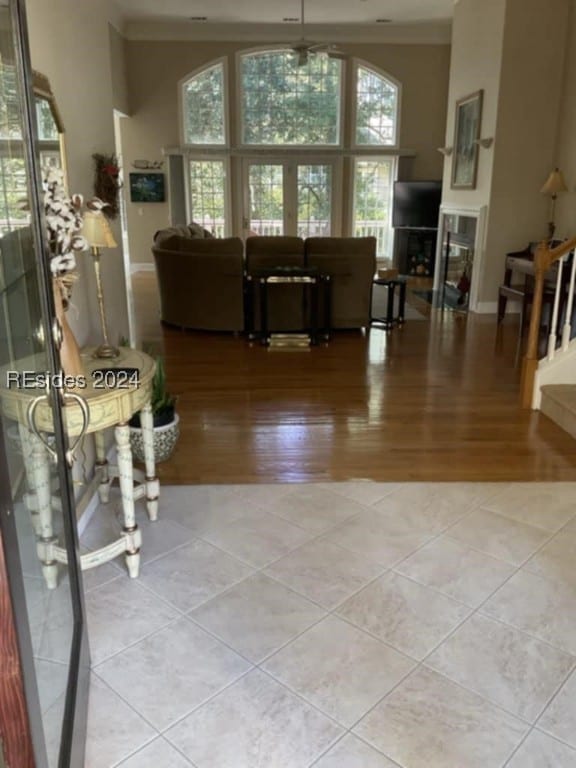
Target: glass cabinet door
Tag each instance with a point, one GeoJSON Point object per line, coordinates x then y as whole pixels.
{"type": "Point", "coordinates": [38, 504]}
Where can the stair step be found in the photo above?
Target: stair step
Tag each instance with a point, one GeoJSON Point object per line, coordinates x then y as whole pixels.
{"type": "Point", "coordinates": [559, 404]}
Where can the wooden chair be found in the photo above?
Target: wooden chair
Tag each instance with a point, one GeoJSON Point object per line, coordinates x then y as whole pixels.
{"type": "Point", "coordinates": [523, 291]}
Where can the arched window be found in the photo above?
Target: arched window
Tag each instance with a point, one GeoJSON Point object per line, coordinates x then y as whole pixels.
{"type": "Point", "coordinates": [290, 168]}
{"type": "Point", "coordinates": [203, 98]}
{"type": "Point", "coordinates": [285, 103]}
{"type": "Point", "coordinates": [376, 109]}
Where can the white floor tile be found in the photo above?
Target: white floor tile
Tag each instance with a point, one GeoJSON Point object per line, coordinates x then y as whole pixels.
{"type": "Point", "coordinates": [315, 509]}
{"type": "Point", "coordinates": [429, 722]}
{"type": "Point", "coordinates": [257, 538]}
{"type": "Point", "coordinates": [121, 613]}
{"type": "Point", "coordinates": [541, 751]}
{"type": "Point", "coordinates": [159, 754]}
{"type": "Point", "coordinates": [505, 666]}
{"type": "Point", "coordinates": [557, 559]}
{"type": "Point", "coordinates": [456, 570]}
{"type": "Point", "coordinates": [339, 669]}
{"type": "Point", "coordinates": [544, 505]}
{"type": "Point", "coordinates": [364, 492]}
{"type": "Point", "coordinates": [199, 507]}
{"type": "Point", "coordinates": [499, 536]}
{"type": "Point", "coordinates": [257, 616]}
{"type": "Point", "coordinates": [193, 574]}
{"type": "Point", "coordinates": [537, 606]}
{"type": "Point", "coordinates": [351, 752]}
{"type": "Point", "coordinates": [324, 573]}
{"type": "Point", "coordinates": [170, 673]}
{"type": "Point", "coordinates": [559, 719]}
{"type": "Point", "coordinates": [411, 618]}
{"type": "Point", "coordinates": [383, 538]}
{"type": "Point", "coordinates": [256, 723]}
{"type": "Point", "coordinates": [114, 730]}
{"type": "Point", "coordinates": [432, 507]}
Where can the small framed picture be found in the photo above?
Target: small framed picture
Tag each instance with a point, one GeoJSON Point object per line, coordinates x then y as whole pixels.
{"type": "Point", "coordinates": [466, 136]}
{"type": "Point", "coordinates": [147, 188]}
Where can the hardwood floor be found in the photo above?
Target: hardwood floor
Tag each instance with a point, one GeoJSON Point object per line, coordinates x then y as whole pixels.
{"type": "Point", "coordinates": [434, 400]}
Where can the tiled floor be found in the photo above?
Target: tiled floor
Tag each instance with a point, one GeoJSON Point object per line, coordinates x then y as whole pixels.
{"type": "Point", "coordinates": [352, 625]}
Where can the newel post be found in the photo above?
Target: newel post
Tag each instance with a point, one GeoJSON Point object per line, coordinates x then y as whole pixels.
{"type": "Point", "coordinates": [530, 360]}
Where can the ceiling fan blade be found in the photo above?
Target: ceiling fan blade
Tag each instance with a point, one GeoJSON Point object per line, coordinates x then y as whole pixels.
{"type": "Point", "coordinates": [340, 55]}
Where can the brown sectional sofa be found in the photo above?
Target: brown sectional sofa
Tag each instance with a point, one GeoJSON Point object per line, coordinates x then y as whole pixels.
{"type": "Point", "coordinates": [202, 282]}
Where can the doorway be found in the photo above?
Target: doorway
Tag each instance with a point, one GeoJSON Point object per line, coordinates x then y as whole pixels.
{"type": "Point", "coordinates": [289, 196]}
{"type": "Point", "coordinates": [41, 599]}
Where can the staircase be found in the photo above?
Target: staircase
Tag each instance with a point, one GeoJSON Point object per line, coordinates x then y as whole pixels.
{"type": "Point", "coordinates": [558, 402]}
{"type": "Point", "coordinates": [549, 384]}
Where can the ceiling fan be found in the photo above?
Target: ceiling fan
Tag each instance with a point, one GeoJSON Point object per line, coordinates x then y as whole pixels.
{"type": "Point", "coordinates": [304, 48]}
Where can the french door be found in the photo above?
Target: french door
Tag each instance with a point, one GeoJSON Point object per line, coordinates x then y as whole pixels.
{"type": "Point", "coordinates": [290, 196]}
{"type": "Point", "coordinates": [44, 703]}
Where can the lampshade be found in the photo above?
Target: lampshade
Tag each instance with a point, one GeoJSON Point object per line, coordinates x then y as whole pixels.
{"type": "Point", "coordinates": [96, 230]}
{"type": "Point", "coordinates": [554, 183]}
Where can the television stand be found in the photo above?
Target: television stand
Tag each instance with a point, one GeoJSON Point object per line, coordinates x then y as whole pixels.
{"type": "Point", "coordinates": [415, 250]}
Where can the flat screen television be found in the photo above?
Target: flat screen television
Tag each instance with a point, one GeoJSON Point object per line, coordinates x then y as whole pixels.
{"type": "Point", "coordinates": [416, 203]}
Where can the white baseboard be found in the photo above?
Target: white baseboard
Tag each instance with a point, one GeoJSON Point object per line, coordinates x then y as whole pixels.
{"type": "Point", "coordinates": [141, 266]}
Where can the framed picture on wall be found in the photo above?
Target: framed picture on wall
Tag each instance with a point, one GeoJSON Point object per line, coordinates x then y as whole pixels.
{"type": "Point", "coordinates": [466, 136]}
{"type": "Point", "coordinates": [147, 188]}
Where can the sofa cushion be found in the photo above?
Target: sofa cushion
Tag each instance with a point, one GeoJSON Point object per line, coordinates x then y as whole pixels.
{"type": "Point", "coordinates": [190, 231]}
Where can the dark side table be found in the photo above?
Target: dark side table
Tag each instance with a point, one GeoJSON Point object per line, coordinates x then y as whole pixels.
{"type": "Point", "coordinates": [307, 276]}
{"type": "Point", "coordinates": [391, 319]}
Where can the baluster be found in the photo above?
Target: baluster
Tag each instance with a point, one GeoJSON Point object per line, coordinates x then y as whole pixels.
{"type": "Point", "coordinates": [567, 328]}
{"type": "Point", "coordinates": [554, 320]}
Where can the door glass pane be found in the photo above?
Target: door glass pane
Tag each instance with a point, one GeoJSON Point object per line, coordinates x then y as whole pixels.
{"type": "Point", "coordinates": [33, 476]}
{"type": "Point", "coordinates": [373, 202]}
{"type": "Point", "coordinates": [314, 200]}
{"type": "Point", "coordinates": [208, 195]}
{"type": "Point", "coordinates": [266, 199]}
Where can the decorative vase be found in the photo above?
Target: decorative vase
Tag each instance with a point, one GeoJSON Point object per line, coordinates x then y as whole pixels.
{"type": "Point", "coordinates": [70, 359]}
{"type": "Point", "coordinates": [165, 439]}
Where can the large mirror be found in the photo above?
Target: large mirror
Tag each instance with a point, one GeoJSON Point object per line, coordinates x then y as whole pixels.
{"type": "Point", "coordinates": [18, 302]}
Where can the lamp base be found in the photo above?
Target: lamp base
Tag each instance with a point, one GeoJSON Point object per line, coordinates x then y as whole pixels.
{"type": "Point", "coordinates": [106, 352]}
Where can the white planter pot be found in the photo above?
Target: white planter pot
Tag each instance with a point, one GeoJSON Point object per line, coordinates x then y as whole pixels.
{"type": "Point", "coordinates": [165, 439]}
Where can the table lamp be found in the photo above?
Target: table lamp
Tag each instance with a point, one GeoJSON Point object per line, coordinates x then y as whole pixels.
{"type": "Point", "coordinates": [98, 234]}
{"type": "Point", "coordinates": [554, 184]}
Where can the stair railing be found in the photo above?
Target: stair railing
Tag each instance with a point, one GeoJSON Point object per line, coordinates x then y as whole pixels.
{"type": "Point", "coordinates": [544, 258]}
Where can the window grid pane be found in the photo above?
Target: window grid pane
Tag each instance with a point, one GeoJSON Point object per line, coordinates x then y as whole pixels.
{"type": "Point", "coordinates": [204, 107]}
{"type": "Point", "coordinates": [208, 195]}
{"type": "Point", "coordinates": [13, 191]}
{"type": "Point", "coordinates": [372, 202]}
{"type": "Point", "coordinates": [266, 190]}
{"type": "Point", "coordinates": [314, 200]}
{"type": "Point", "coordinates": [287, 104]}
{"type": "Point", "coordinates": [376, 109]}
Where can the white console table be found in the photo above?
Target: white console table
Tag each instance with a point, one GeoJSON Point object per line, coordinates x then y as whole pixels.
{"type": "Point", "coordinates": [108, 407]}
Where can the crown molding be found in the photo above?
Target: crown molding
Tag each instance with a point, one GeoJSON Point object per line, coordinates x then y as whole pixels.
{"type": "Point", "coordinates": [437, 33]}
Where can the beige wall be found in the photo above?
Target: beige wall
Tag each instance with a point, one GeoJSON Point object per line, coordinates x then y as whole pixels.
{"type": "Point", "coordinates": [514, 51]}
{"type": "Point", "coordinates": [70, 43]}
{"type": "Point", "coordinates": [156, 67]}
{"type": "Point", "coordinates": [118, 74]}
{"type": "Point", "coordinates": [566, 157]}
{"type": "Point", "coordinates": [477, 38]}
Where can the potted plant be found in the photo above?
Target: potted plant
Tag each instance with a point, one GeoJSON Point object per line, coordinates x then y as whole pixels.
{"type": "Point", "coordinates": [166, 420]}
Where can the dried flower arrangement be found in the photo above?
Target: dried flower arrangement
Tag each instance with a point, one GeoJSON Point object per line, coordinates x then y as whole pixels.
{"type": "Point", "coordinates": [63, 215]}
{"type": "Point", "coordinates": [107, 182]}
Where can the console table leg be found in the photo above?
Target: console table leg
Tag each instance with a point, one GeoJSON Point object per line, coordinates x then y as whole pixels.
{"type": "Point", "coordinates": [40, 480]}
{"type": "Point", "coordinates": [102, 468]}
{"type": "Point", "coordinates": [126, 479]}
{"type": "Point", "coordinates": [152, 483]}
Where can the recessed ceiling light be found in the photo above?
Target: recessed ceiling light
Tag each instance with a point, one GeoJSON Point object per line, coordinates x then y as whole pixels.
{"type": "Point", "coordinates": [198, 18]}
